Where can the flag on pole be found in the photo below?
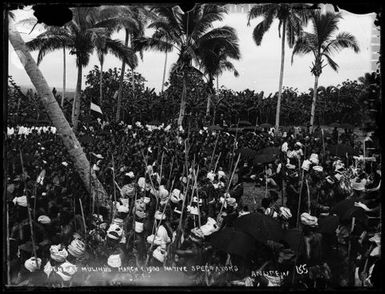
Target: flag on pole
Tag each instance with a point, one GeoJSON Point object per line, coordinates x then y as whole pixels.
{"type": "Point", "coordinates": [96, 108]}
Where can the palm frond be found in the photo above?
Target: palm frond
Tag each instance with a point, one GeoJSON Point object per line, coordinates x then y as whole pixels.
{"type": "Point", "coordinates": [146, 43]}
{"type": "Point", "coordinates": [343, 40]}
{"type": "Point", "coordinates": [304, 45]}
{"type": "Point", "coordinates": [331, 62]}
{"type": "Point", "coordinates": [117, 48]}
{"type": "Point", "coordinates": [260, 10]}
{"type": "Point", "coordinates": [210, 14]}
{"type": "Point", "coordinates": [261, 29]}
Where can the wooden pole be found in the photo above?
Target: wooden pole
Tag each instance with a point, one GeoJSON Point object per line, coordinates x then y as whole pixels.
{"type": "Point", "coordinates": [300, 197]}
{"type": "Point", "coordinates": [213, 154]}
{"type": "Point", "coordinates": [228, 186]}
{"type": "Point", "coordinates": [157, 227]}
{"type": "Point", "coordinates": [113, 185]}
{"type": "Point", "coordinates": [216, 163]}
{"type": "Point", "coordinates": [84, 220]}
{"type": "Point", "coordinates": [28, 208]}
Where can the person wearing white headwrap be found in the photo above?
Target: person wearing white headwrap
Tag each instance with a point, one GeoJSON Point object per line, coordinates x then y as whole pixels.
{"type": "Point", "coordinates": [161, 236]}
{"type": "Point", "coordinates": [21, 201]}
{"type": "Point", "coordinates": [31, 265]}
{"type": "Point", "coordinates": [66, 271]}
{"type": "Point", "coordinates": [309, 220]}
{"type": "Point", "coordinates": [114, 261]}
{"type": "Point", "coordinates": [76, 248]}
{"type": "Point", "coordinates": [306, 165]}
{"type": "Point", "coordinates": [58, 253]}
{"type": "Point", "coordinates": [43, 219]}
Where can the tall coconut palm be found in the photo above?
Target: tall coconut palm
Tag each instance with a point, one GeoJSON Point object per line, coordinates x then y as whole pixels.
{"type": "Point", "coordinates": [55, 114]}
{"type": "Point", "coordinates": [81, 35]}
{"type": "Point", "coordinates": [189, 33]}
{"type": "Point", "coordinates": [290, 24]}
{"type": "Point", "coordinates": [32, 23]}
{"type": "Point", "coordinates": [133, 19]}
{"type": "Point", "coordinates": [322, 43]}
{"type": "Point", "coordinates": [215, 61]}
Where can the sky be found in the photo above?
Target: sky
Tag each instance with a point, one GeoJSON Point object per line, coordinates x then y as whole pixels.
{"type": "Point", "coordinates": [258, 67]}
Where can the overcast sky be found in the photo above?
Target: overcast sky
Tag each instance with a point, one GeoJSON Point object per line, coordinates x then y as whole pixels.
{"type": "Point", "coordinates": [259, 65]}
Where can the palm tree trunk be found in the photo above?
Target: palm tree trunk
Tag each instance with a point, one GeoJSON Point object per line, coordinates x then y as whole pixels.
{"type": "Point", "coordinates": [208, 105]}
{"type": "Point", "coordinates": [120, 91]}
{"type": "Point", "coordinates": [71, 143]}
{"type": "Point", "coordinates": [183, 102]}
{"type": "Point", "coordinates": [312, 112]}
{"type": "Point", "coordinates": [164, 72]}
{"type": "Point", "coordinates": [64, 77]}
{"type": "Point", "coordinates": [76, 102]}
{"type": "Point", "coordinates": [211, 87]}
{"type": "Point", "coordinates": [133, 83]}
{"type": "Point", "coordinates": [277, 114]}
{"type": "Point", "coordinates": [101, 84]}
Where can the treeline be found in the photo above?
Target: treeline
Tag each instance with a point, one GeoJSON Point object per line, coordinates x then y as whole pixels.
{"type": "Point", "coordinates": [353, 102]}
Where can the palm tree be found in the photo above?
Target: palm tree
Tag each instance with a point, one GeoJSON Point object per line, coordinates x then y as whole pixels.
{"type": "Point", "coordinates": [32, 22]}
{"type": "Point", "coordinates": [189, 33]}
{"type": "Point", "coordinates": [133, 20]}
{"type": "Point", "coordinates": [78, 157]}
{"type": "Point", "coordinates": [214, 62]}
{"type": "Point", "coordinates": [291, 19]}
{"type": "Point", "coordinates": [82, 35]}
{"type": "Point", "coordinates": [323, 44]}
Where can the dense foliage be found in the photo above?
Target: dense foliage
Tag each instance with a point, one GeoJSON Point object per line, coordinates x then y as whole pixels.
{"type": "Point", "coordinates": [353, 102]}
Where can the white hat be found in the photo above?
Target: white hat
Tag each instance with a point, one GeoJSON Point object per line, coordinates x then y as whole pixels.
{"type": "Point", "coordinates": [163, 193]}
{"type": "Point", "coordinates": [309, 220]}
{"type": "Point", "coordinates": [142, 182]}
{"type": "Point", "coordinates": [159, 253]}
{"type": "Point", "coordinates": [58, 254]}
{"type": "Point", "coordinates": [176, 196]}
{"type": "Point", "coordinates": [192, 210]}
{"type": "Point", "coordinates": [114, 232]}
{"type": "Point", "coordinates": [271, 212]}
{"type": "Point", "coordinates": [221, 174]}
{"type": "Point", "coordinates": [114, 260]}
{"type": "Point", "coordinates": [159, 215]}
{"type": "Point", "coordinates": [318, 168]}
{"type": "Point", "coordinates": [43, 219]}
{"type": "Point", "coordinates": [285, 147]}
{"type": "Point", "coordinates": [209, 227]}
{"type": "Point", "coordinates": [290, 166]}
{"type": "Point", "coordinates": [306, 165]}
{"type": "Point", "coordinates": [122, 208]}
{"type": "Point", "coordinates": [76, 248]}
{"type": "Point", "coordinates": [31, 264]}
{"type": "Point", "coordinates": [146, 199]}
{"type": "Point", "coordinates": [314, 158]}
{"type": "Point", "coordinates": [376, 238]}
{"type": "Point", "coordinates": [130, 175]}
{"type": "Point", "coordinates": [21, 201]}
{"type": "Point", "coordinates": [66, 270]}
{"type": "Point", "coordinates": [285, 212]}
{"type": "Point", "coordinates": [139, 227]}
{"type": "Point", "coordinates": [211, 176]}
{"type": "Point", "coordinates": [358, 185]}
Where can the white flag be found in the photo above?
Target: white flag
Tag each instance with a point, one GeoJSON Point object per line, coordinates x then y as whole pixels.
{"type": "Point", "coordinates": [96, 108]}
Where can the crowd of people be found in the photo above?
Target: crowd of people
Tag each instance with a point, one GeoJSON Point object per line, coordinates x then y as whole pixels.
{"type": "Point", "coordinates": [175, 197]}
